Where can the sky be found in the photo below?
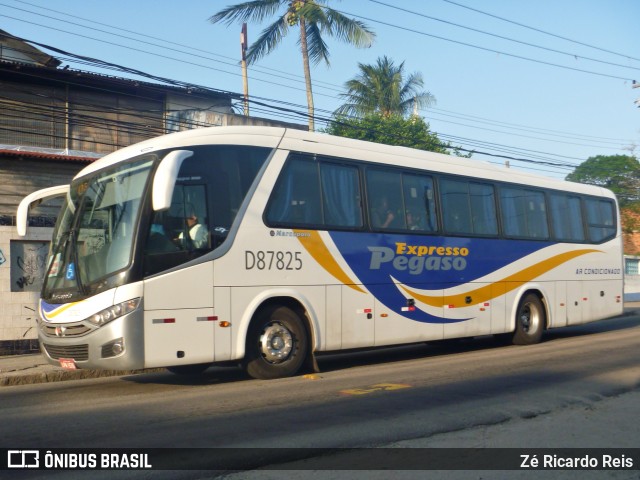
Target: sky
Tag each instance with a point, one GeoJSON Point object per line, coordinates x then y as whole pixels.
{"type": "Point", "coordinates": [546, 82]}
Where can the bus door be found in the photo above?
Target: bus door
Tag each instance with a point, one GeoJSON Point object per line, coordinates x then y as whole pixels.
{"type": "Point", "coordinates": [178, 294]}
{"type": "Point", "coordinates": [179, 317]}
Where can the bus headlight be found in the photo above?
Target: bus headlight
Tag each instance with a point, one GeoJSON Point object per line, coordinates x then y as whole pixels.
{"type": "Point", "coordinates": [109, 314]}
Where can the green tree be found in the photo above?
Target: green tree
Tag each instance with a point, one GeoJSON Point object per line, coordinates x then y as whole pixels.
{"type": "Point", "coordinates": [384, 88]}
{"type": "Point", "coordinates": [392, 130]}
{"type": "Point", "coordinates": [618, 173]}
{"type": "Point", "coordinates": [313, 17]}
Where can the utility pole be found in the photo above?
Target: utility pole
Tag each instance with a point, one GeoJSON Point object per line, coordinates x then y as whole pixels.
{"type": "Point", "coordinates": [245, 81]}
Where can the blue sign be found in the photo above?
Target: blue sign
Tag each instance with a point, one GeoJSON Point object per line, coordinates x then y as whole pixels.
{"type": "Point", "coordinates": [71, 272]}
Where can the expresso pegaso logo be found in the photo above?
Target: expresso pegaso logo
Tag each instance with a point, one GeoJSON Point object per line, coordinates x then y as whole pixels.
{"type": "Point", "coordinates": [418, 258]}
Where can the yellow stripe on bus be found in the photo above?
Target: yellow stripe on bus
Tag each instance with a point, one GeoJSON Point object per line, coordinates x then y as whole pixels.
{"type": "Point", "coordinates": [58, 311]}
{"type": "Point", "coordinates": [511, 282]}
{"type": "Point", "coordinates": [313, 243]}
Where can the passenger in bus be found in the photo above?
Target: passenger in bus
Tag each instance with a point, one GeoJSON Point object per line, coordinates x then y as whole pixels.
{"type": "Point", "coordinates": [382, 216]}
{"type": "Point", "coordinates": [413, 221]}
{"type": "Point", "coordinates": [197, 231]}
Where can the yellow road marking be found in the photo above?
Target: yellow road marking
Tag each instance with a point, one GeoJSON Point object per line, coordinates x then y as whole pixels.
{"type": "Point", "coordinates": [378, 387]}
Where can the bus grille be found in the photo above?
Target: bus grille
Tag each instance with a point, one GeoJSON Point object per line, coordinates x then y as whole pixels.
{"type": "Point", "coordinates": [77, 352]}
{"type": "Point", "coordinates": [74, 330]}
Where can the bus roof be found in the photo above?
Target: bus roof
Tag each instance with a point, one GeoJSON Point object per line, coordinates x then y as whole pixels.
{"type": "Point", "coordinates": [323, 144]}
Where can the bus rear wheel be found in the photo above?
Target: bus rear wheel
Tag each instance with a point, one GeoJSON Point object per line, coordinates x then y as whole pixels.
{"type": "Point", "coordinates": [277, 344]}
{"type": "Point", "coordinates": [530, 320]}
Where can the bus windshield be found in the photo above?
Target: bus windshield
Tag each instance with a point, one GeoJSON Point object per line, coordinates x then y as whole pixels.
{"type": "Point", "coordinates": [94, 234]}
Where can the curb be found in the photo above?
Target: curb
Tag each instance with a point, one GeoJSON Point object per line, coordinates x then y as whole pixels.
{"type": "Point", "coordinates": [63, 375]}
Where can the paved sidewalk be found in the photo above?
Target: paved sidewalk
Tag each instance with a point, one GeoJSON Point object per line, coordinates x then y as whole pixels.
{"type": "Point", "coordinates": [30, 369]}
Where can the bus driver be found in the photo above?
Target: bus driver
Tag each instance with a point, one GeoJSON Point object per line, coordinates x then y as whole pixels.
{"type": "Point", "coordinates": [197, 231]}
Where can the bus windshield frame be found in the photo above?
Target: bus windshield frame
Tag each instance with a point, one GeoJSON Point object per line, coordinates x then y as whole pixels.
{"type": "Point", "coordinates": [94, 237]}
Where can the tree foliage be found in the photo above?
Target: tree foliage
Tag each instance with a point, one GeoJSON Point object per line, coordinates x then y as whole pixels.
{"type": "Point", "coordinates": [314, 19]}
{"type": "Point", "coordinates": [384, 88]}
{"type": "Point", "coordinates": [618, 173]}
{"type": "Point", "coordinates": [391, 130]}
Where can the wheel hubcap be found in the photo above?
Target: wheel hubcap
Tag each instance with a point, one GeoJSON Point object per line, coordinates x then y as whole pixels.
{"type": "Point", "coordinates": [276, 343]}
{"type": "Point", "coordinates": [529, 318]}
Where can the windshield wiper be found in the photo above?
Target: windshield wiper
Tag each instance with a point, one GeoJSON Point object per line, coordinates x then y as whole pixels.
{"type": "Point", "coordinates": [76, 270]}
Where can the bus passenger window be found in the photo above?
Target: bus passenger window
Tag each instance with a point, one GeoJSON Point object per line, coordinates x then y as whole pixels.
{"type": "Point", "coordinates": [455, 206]}
{"type": "Point", "coordinates": [341, 195]}
{"type": "Point", "coordinates": [316, 193]}
{"type": "Point", "coordinates": [484, 218]}
{"type": "Point", "coordinates": [566, 217]}
{"type": "Point", "coordinates": [386, 205]}
{"type": "Point", "coordinates": [601, 219]}
{"type": "Point", "coordinates": [420, 209]}
{"type": "Point", "coordinates": [524, 213]}
{"type": "Point", "coordinates": [296, 195]}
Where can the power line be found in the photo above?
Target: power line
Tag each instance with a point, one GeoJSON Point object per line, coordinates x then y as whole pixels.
{"type": "Point", "coordinates": [544, 131]}
{"type": "Point", "coordinates": [104, 64]}
{"type": "Point", "coordinates": [164, 40]}
{"type": "Point", "coordinates": [100, 122]}
{"type": "Point", "coordinates": [576, 56]}
{"type": "Point", "coordinates": [542, 62]}
{"type": "Point", "coordinates": [542, 31]}
{"type": "Point", "coordinates": [283, 75]}
{"type": "Point", "coordinates": [526, 136]}
{"type": "Point", "coordinates": [187, 52]}
{"type": "Point", "coordinates": [272, 107]}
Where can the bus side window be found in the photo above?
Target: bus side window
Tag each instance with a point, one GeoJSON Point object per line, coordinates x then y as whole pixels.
{"type": "Point", "coordinates": [484, 217]}
{"type": "Point", "coordinates": [455, 206]}
{"type": "Point", "coordinates": [420, 210]}
{"type": "Point", "coordinates": [566, 217]}
{"type": "Point", "coordinates": [296, 195]}
{"type": "Point", "coordinates": [341, 195]}
{"type": "Point", "coordinates": [600, 219]}
{"type": "Point", "coordinates": [524, 213]}
{"type": "Point", "coordinates": [386, 204]}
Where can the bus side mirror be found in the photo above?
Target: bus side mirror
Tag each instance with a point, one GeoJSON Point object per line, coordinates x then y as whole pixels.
{"type": "Point", "coordinates": [165, 178]}
{"type": "Point", "coordinates": [39, 196]}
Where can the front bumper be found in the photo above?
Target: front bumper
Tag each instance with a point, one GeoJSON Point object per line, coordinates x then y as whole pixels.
{"type": "Point", "coordinates": [118, 345]}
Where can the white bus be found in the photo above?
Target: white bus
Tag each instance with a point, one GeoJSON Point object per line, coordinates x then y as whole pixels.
{"type": "Point", "coordinates": [265, 246]}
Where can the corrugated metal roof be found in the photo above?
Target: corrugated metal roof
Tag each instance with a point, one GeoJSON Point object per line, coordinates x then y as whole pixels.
{"type": "Point", "coordinates": [46, 156]}
{"type": "Point", "coordinates": [70, 74]}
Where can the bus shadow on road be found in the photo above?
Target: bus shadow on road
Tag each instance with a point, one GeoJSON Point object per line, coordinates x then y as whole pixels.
{"type": "Point", "coordinates": [214, 375]}
{"type": "Point", "coordinates": [601, 326]}
{"type": "Point", "coordinates": [344, 360]}
{"type": "Point", "coordinates": [356, 358]}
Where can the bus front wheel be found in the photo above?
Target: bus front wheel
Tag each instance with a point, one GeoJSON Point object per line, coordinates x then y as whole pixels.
{"type": "Point", "coordinates": [276, 343]}
{"type": "Point", "coordinates": [530, 320]}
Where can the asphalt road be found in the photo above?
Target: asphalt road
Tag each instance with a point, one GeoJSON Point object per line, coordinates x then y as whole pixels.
{"type": "Point", "coordinates": [422, 395]}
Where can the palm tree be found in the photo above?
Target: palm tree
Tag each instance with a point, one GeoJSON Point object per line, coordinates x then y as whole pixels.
{"type": "Point", "coordinates": [382, 88]}
{"type": "Point", "coordinates": [314, 19]}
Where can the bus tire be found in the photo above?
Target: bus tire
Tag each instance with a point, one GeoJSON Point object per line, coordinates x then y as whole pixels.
{"type": "Point", "coordinates": [530, 320]}
{"type": "Point", "coordinates": [276, 343]}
